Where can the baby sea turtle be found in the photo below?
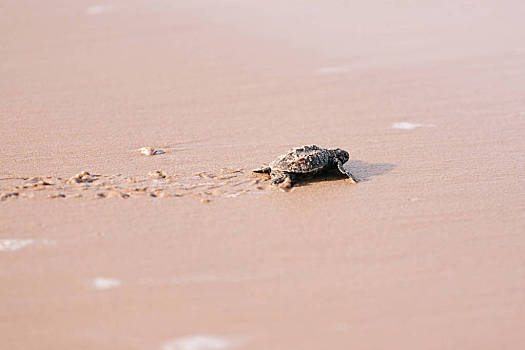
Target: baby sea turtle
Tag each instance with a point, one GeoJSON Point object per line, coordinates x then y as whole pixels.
{"type": "Point", "coordinates": [306, 160]}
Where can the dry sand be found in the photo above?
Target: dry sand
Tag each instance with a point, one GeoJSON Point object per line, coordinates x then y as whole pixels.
{"type": "Point", "coordinates": [427, 252]}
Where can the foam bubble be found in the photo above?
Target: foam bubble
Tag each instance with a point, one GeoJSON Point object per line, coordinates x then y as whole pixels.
{"type": "Point", "coordinates": [406, 125]}
{"type": "Point", "coordinates": [7, 245]}
{"type": "Point", "coordinates": [102, 283]}
{"type": "Point", "coordinates": [197, 342]}
{"type": "Point", "coordinates": [96, 9]}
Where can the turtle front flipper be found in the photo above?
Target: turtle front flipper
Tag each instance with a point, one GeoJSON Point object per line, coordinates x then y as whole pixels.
{"type": "Point", "coordinates": [264, 170]}
{"type": "Point", "coordinates": [345, 172]}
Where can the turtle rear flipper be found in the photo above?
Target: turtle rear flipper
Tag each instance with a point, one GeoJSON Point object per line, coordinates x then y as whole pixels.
{"type": "Point", "coordinates": [282, 180]}
{"type": "Point", "coordinates": [345, 172]}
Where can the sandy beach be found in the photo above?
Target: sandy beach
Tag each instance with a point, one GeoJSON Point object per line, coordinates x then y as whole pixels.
{"type": "Point", "coordinates": [187, 249]}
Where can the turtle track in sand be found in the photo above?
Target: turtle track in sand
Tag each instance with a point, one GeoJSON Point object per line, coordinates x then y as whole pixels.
{"type": "Point", "coordinates": [156, 184]}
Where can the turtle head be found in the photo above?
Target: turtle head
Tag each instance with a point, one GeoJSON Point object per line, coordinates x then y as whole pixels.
{"type": "Point", "coordinates": [342, 155]}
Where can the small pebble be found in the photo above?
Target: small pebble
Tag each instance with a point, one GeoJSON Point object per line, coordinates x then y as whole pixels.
{"type": "Point", "coordinates": [205, 200]}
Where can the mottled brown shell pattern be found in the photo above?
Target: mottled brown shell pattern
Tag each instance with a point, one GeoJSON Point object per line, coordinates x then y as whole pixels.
{"type": "Point", "coordinates": [306, 159]}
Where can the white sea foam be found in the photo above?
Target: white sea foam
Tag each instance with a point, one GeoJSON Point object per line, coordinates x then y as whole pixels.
{"type": "Point", "coordinates": [97, 9]}
{"type": "Point", "coordinates": [406, 125]}
{"type": "Point", "coordinates": [197, 342]}
{"type": "Point", "coordinates": [7, 245]}
{"type": "Point", "coordinates": [102, 283]}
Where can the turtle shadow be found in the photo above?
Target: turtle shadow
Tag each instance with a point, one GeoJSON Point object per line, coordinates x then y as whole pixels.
{"type": "Point", "coordinates": [362, 171]}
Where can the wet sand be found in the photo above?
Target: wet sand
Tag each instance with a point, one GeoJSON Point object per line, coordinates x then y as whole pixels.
{"type": "Point", "coordinates": [427, 251]}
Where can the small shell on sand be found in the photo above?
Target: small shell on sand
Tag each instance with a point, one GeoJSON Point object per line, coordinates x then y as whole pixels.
{"type": "Point", "coordinates": [150, 151]}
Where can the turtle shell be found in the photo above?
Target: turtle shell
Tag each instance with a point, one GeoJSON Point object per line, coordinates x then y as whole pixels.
{"type": "Point", "coordinates": [306, 159]}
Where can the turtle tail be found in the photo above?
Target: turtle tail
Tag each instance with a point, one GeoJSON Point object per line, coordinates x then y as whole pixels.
{"type": "Point", "coordinates": [265, 170]}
